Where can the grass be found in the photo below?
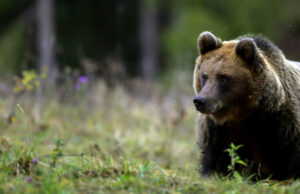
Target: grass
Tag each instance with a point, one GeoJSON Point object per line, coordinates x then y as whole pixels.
{"type": "Point", "coordinates": [111, 141]}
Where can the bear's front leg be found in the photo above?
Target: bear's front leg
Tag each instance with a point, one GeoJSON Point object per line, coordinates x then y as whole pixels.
{"type": "Point", "coordinates": [213, 141]}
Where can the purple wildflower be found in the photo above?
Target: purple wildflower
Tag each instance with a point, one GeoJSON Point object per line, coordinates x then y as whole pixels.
{"type": "Point", "coordinates": [82, 79]}
{"type": "Point", "coordinates": [28, 179]}
{"type": "Point", "coordinates": [35, 160]}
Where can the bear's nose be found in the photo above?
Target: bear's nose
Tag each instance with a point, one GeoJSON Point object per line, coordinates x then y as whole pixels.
{"type": "Point", "coordinates": [199, 102]}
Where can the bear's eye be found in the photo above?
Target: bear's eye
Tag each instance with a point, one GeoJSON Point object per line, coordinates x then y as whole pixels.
{"type": "Point", "coordinates": [203, 79]}
{"type": "Point", "coordinates": [223, 78]}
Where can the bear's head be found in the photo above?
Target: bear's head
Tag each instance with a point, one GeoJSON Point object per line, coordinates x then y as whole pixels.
{"type": "Point", "coordinates": [232, 78]}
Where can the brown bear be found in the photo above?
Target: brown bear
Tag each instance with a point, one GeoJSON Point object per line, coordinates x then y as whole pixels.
{"type": "Point", "coordinates": [247, 93]}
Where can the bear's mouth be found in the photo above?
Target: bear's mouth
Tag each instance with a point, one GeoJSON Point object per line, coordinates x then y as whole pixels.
{"type": "Point", "coordinates": [210, 108]}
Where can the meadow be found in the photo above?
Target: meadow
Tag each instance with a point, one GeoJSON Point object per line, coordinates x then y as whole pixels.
{"type": "Point", "coordinates": [130, 138]}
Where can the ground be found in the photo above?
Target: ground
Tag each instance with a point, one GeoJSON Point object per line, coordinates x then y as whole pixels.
{"type": "Point", "coordinates": [111, 141]}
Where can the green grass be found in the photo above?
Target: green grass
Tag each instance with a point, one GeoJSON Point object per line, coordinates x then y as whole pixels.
{"type": "Point", "coordinates": [111, 141]}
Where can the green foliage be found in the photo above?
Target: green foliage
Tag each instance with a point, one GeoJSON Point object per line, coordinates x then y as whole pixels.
{"type": "Point", "coordinates": [180, 39]}
{"type": "Point", "coordinates": [57, 151]}
{"type": "Point", "coordinates": [8, 10]}
{"type": "Point", "coordinates": [29, 81]}
{"type": "Point", "coordinates": [235, 159]}
{"type": "Point", "coordinates": [151, 3]}
{"type": "Point", "coordinates": [12, 49]}
{"type": "Point", "coordinates": [226, 19]}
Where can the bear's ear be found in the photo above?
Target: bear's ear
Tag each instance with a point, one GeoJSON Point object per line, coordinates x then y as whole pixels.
{"type": "Point", "coordinates": [207, 42]}
{"type": "Point", "coordinates": [246, 48]}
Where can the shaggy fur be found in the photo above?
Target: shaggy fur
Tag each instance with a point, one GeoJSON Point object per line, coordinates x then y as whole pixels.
{"type": "Point", "coordinates": [252, 97]}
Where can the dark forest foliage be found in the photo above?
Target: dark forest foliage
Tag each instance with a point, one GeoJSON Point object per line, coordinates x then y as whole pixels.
{"type": "Point", "coordinates": [98, 33]}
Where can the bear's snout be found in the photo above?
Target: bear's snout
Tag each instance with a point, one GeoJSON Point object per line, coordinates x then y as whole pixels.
{"type": "Point", "coordinates": [207, 105]}
{"type": "Point", "coordinates": [199, 103]}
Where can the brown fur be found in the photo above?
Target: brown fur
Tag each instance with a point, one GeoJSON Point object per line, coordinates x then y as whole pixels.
{"type": "Point", "coordinates": [250, 95]}
{"type": "Point", "coordinates": [225, 60]}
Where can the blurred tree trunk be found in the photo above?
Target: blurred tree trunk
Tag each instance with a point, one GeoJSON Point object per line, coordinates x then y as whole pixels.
{"type": "Point", "coordinates": [149, 38]}
{"type": "Point", "coordinates": [45, 45]}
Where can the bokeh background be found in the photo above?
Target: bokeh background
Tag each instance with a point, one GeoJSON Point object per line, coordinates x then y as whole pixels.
{"type": "Point", "coordinates": [143, 38]}
{"type": "Point", "coordinates": [96, 95]}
